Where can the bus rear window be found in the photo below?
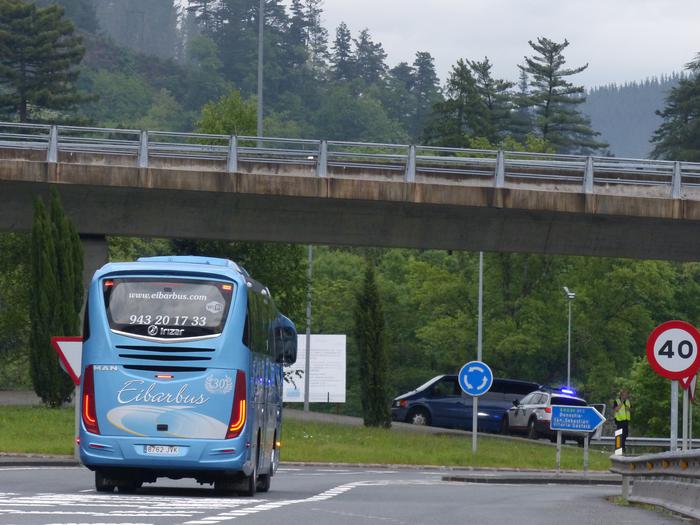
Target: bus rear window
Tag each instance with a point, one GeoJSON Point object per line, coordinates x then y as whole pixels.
{"type": "Point", "coordinates": [167, 308]}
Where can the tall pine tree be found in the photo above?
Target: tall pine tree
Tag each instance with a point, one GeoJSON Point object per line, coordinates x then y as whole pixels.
{"type": "Point", "coordinates": [369, 58]}
{"type": "Point", "coordinates": [555, 100]}
{"type": "Point", "coordinates": [372, 352]}
{"type": "Point", "coordinates": [81, 12]}
{"type": "Point", "coordinates": [342, 59]}
{"type": "Point", "coordinates": [426, 90]}
{"type": "Point", "coordinates": [678, 137]}
{"type": "Point", "coordinates": [496, 97]}
{"type": "Point", "coordinates": [463, 114]}
{"type": "Point", "coordinates": [39, 58]}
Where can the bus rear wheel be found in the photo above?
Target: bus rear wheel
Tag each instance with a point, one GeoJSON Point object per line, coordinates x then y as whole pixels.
{"type": "Point", "coordinates": [103, 483]}
{"type": "Point", "coordinates": [264, 480]}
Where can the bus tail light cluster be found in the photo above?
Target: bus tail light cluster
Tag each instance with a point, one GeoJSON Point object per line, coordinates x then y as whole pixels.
{"type": "Point", "coordinates": [238, 411]}
{"type": "Point", "coordinates": [88, 410]}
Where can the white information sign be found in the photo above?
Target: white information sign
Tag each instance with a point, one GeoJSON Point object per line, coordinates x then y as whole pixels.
{"type": "Point", "coordinates": [327, 378]}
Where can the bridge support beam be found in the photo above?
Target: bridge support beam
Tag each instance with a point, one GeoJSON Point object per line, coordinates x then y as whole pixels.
{"type": "Point", "coordinates": [95, 255]}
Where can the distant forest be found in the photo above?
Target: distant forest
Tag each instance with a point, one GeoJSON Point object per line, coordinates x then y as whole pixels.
{"type": "Point", "coordinates": [625, 115]}
{"type": "Point", "coordinates": [181, 57]}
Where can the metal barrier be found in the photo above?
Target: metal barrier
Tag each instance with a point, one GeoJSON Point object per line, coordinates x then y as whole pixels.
{"type": "Point", "coordinates": [322, 158]}
{"type": "Point", "coordinates": [646, 442]}
{"type": "Point", "coordinates": [670, 480]}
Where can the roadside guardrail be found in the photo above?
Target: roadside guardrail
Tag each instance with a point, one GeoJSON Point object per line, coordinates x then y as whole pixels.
{"type": "Point", "coordinates": [669, 479]}
{"type": "Point", "coordinates": [321, 158]}
{"type": "Point", "coordinates": [647, 442]}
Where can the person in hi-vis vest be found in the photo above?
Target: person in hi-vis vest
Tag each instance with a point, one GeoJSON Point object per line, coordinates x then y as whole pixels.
{"type": "Point", "coordinates": [621, 409]}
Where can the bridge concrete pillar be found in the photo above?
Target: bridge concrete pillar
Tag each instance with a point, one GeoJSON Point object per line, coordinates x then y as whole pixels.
{"type": "Point", "coordinates": [94, 257]}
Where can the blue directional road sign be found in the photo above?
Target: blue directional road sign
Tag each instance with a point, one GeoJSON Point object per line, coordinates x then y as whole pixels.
{"type": "Point", "coordinates": [582, 419]}
{"type": "Point", "coordinates": [475, 378]}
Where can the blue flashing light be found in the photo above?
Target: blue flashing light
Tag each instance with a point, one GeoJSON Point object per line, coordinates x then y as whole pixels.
{"type": "Point", "coordinates": [568, 391]}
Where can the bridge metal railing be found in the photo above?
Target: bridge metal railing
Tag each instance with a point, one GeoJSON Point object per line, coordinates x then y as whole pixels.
{"type": "Point", "coordinates": [668, 479]}
{"type": "Point", "coordinates": [410, 163]}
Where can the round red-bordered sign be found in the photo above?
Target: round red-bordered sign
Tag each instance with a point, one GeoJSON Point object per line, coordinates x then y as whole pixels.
{"type": "Point", "coordinates": [673, 349]}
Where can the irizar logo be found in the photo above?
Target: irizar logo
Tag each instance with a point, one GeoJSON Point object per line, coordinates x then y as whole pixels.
{"type": "Point", "coordinates": [218, 385]}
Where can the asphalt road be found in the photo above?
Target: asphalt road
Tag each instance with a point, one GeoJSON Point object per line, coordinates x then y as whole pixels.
{"type": "Point", "coordinates": [337, 496]}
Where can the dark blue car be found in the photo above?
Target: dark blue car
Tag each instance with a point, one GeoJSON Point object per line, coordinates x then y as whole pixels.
{"type": "Point", "coordinates": [440, 402]}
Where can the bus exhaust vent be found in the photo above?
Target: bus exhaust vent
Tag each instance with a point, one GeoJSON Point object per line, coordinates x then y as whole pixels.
{"type": "Point", "coordinates": [165, 349]}
{"type": "Point", "coordinates": [152, 368]}
{"type": "Point", "coordinates": [161, 357]}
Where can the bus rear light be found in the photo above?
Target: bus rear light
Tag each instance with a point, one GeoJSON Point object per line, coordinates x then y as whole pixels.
{"type": "Point", "coordinates": [548, 410]}
{"type": "Point", "coordinates": [164, 376]}
{"type": "Point", "coordinates": [109, 283]}
{"type": "Point", "coordinates": [238, 411]}
{"type": "Point", "coordinates": [88, 410]}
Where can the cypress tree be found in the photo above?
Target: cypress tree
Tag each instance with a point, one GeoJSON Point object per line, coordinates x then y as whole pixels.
{"type": "Point", "coordinates": [56, 300]}
{"type": "Point", "coordinates": [369, 334]}
{"type": "Point", "coordinates": [39, 55]}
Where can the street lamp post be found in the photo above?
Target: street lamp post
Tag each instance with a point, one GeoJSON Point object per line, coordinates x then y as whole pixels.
{"type": "Point", "coordinates": [570, 296]}
{"type": "Point", "coordinates": [261, 26]}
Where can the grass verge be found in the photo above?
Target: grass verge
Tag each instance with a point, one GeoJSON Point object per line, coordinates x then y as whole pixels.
{"type": "Point", "coordinates": [303, 441]}
{"type": "Point", "coordinates": [50, 431]}
{"type": "Point", "coordinates": [36, 430]}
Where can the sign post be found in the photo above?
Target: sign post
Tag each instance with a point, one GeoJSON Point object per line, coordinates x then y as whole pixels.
{"type": "Point", "coordinates": [475, 379]}
{"type": "Point", "coordinates": [578, 419]}
{"type": "Point", "coordinates": [672, 352]}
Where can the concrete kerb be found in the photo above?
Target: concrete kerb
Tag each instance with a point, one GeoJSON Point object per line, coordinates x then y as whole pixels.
{"type": "Point", "coordinates": [463, 474]}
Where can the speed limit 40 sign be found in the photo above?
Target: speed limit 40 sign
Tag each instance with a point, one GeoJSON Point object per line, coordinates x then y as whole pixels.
{"type": "Point", "coordinates": [672, 350]}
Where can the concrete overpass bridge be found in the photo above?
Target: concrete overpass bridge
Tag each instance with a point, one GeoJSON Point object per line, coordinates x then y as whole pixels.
{"type": "Point", "coordinates": [137, 183]}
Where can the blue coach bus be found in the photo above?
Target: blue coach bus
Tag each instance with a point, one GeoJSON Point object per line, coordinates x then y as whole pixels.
{"type": "Point", "coordinates": [182, 375]}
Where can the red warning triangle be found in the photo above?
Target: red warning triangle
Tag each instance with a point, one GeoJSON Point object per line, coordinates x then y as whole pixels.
{"type": "Point", "coordinates": [70, 352]}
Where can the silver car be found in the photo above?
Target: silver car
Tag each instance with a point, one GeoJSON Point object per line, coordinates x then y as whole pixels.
{"type": "Point", "coordinates": [533, 413]}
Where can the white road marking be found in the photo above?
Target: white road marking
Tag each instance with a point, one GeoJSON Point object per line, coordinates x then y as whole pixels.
{"type": "Point", "coordinates": [97, 505]}
{"type": "Point", "coordinates": [40, 468]}
{"type": "Point", "coordinates": [326, 495]}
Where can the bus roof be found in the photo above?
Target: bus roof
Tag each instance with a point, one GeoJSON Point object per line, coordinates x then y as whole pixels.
{"type": "Point", "coordinates": [177, 263]}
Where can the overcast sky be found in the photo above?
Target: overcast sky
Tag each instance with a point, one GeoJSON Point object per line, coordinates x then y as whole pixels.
{"type": "Point", "coordinates": [622, 40]}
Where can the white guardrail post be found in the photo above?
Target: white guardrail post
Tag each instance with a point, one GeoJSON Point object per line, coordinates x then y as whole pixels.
{"type": "Point", "coordinates": [322, 162]}
{"type": "Point", "coordinates": [676, 181]}
{"type": "Point", "coordinates": [143, 150]}
{"type": "Point", "coordinates": [500, 179]}
{"type": "Point", "coordinates": [232, 160]}
{"type": "Point", "coordinates": [52, 151]}
{"type": "Point", "coordinates": [588, 176]}
{"type": "Point", "coordinates": [411, 164]}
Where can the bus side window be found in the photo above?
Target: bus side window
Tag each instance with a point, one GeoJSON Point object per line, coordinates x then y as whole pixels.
{"type": "Point", "coordinates": [246, 326]}
{"type": "Point", "coordinates": [86, 318]}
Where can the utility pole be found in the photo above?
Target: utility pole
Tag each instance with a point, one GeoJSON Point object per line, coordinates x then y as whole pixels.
{"type": "Point", "coordinates": [307, 366]}
{"type": "Point", "coordinates": [261, 25]}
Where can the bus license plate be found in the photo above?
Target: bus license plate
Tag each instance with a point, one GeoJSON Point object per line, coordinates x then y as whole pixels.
{"type": "Point", "coordinates": [162, 450]}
